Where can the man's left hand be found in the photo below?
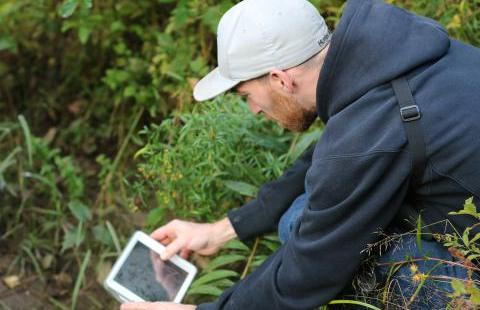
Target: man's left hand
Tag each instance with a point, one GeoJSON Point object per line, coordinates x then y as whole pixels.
{"type": "Point", "coordinates": [155, 306]}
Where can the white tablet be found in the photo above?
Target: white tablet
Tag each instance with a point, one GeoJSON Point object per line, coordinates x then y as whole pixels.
{"type": "Point", "coordinates": [140, 274]}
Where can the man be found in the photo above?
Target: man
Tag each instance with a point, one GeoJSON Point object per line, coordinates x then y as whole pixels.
{"type": "Point", "coordinates": [363, 173]}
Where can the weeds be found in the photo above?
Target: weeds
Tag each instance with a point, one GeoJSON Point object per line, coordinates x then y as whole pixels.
{"type": "Point", "coordinates": [463, 247]}
{"type": "Point", "coordinates": [199, 165]}
{"type": "Point", "coordinates": [44, 215]}
{"type": "Point", "coordinates": [86, 75]}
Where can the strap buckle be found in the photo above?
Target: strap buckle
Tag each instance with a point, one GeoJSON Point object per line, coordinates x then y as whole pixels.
{"type": "Point", "coordinates": [410, 113]}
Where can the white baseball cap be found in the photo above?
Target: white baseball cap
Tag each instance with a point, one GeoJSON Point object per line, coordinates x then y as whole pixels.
{"type": "Point", "coordinates": [256, 36]}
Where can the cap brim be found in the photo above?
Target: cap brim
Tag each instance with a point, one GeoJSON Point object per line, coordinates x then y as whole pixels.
{"type": "Point", "coordinates": [213, 84]}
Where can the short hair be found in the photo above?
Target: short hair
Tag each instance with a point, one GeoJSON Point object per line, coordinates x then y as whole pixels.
{"type": "Point", "coordinates": [313, 62]}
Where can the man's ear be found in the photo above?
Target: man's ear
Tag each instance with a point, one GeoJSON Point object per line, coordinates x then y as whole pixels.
{"type": "Point", "coordinates": [281, 81]}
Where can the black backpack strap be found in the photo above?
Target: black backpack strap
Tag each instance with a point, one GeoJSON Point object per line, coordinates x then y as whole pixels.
{"type": "Point", "coordinates": [410, 115]}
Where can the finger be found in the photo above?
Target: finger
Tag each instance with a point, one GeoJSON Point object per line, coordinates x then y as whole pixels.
{"type": "Point", "coordinates": [185, 253]}
{"type": "Point", "coordinates": [172, 249]}
{"type": "Point", "coordinates": [134, 306]}
{"type": "Point", "coordinates": [163, 232]}
{"type": "Point", "coordinates": [165, 240]}
{"type": "Point", "coordinates": [150, 306]}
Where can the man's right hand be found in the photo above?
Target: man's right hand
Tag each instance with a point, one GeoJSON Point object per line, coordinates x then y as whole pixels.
{"type": "Point", "coordinates": [186, 237]}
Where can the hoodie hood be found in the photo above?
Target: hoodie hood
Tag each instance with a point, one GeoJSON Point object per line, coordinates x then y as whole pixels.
{"type": "Point", "coordinates": [374, 43]}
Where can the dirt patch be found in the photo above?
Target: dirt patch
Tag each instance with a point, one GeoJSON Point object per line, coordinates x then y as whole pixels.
{"type": "Point", "coordinates": [32, 294]}
{"type": "Point", "coordinates": [23, 297]}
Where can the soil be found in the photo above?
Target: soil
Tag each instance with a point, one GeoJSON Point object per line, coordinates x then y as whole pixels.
{"type": "Point", "coordinates": [33, 294]}
{"type": "Point", "coordinates": [21, 298]}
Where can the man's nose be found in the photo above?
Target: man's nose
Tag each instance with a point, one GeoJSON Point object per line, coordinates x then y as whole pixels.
{"type": "Point", "coordinates": [254, 108]}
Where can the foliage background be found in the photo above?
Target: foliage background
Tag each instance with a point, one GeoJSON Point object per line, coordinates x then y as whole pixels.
{"type": "Point", "coordinates": [99, 136]}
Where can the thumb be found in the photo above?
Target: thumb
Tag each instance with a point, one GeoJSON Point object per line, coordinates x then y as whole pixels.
{"type": "Point", "coordinates": [173, 248]}
{"type": "Point", "coordinates": [185, 253]}
{"type": "Point", "coordinates": [134, 306]}
{"type": "Point", "coordinates": [162, 232]}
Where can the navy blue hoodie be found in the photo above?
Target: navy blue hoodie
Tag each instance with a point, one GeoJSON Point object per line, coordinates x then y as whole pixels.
{"type": "Point", "coordinates": [359, 174]}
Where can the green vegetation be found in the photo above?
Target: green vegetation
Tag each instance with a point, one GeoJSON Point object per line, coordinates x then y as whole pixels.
{"type": "Point", "coordinates": [199, 164]}
{"type": "Point", "coordinates": [99, 136]}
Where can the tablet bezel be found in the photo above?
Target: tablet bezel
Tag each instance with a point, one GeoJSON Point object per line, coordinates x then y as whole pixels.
{"type": "Point", "coordinates": [125, 295]}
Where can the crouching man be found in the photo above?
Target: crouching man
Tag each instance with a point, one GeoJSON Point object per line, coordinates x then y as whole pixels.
{"type": "Point", "coordinates": [401, 103]}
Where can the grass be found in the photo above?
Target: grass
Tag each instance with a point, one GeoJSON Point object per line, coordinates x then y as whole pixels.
{"type": "Point", "coordinates": [80, 278]}
{"type": "Point", "coordinates": [69, 129]}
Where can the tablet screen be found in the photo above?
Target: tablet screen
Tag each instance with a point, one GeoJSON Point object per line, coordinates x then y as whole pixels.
{"type": "Point", "coordinates": [145, 274]}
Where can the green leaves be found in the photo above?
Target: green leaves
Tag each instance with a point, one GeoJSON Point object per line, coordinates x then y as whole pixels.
{"type": "Point", "coordinates": [418, 234]}
{"type": "Point", "coordinates": [115, 78]}
{"type": "Point", "coordinates": [242, 188]}
{"type": "Point", "coordinates": [8, 42]}
{"type": "Point", "coordinates": [224, 260]}
{"type": "Point", "coordinates": [28, 138]}
{"type": "Point", "coordinates": [469, 208]}
{"type": "Point", "coordinates": [467, 249]}
{"type": "Point", "coordinates": [81, 212]}
{"type": "Point", "coordinates": [211, 17]}
{"type": "Point", "coordinates": [458, 287]}
{"type": "Point", "coordinates": [88, 4]}
{"type": "Point", "coordinates": [236, 245]}
{"type": "Point", "coordinates": [5, 164]}
{"type": "Point", "coordinates": [466, 289]}
{"type": "Point", "coordinates": [68, 7]}
{"type": "Point", "coordinates": [102, 234]}
{"type": "Point", "coordinates": [197, 164]}
{"type": "Point", "coordinates": [220, 272]}
{"type": "Point", "coordinates": [80, 278]}
{"type": "Point", "coordinates": [73, 237]}
{"type": "Point", "coordinates": [205, 290]}
{"type": "Point", "coordinates": [214, 275]}
{"type": "Point", "coordinates": [211, 158]}
{"type": "Point", "coordinates": [213, 282]}
{"type": "Point", "coordinates": [156, 215]}
{"type": "Point", "coordinates": [84, 33]}
{"type": "Point", "coordinates": [305, 140]}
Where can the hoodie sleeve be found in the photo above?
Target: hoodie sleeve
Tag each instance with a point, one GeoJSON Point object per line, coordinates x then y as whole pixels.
{"type": "Point", "coordinates": [262, 214]}
{"type": "Point", "coordinates": [350, 198]}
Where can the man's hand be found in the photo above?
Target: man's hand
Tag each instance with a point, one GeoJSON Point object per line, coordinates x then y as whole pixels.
{"type": "Point", "coordinates": [155, 306]}
{"type": "Point", "coordinates": [186, 237]}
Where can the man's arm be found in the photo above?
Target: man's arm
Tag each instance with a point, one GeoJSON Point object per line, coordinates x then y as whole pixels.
{"type": "Point", "coordinates": [262, 214]}
{"type": "Point", "coordinates": [253, 219]}
{"type": "Point", "coordinates": [350, 198]}
{"type": "Point", "coordinates": [184, 237]}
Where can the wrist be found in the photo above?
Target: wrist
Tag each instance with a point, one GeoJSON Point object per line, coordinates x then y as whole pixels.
{"type": "Point", "coordinates": [223, 231]}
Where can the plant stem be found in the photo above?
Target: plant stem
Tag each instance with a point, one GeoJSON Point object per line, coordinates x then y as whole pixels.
{"type": "Point", "coordinates": [250, 258]}
{"type": "Point", "coordinates": [353, 302]}
{"type": "Point", "coordinates": [430, 258]}
{"type": "Point", "coordinates": [81, 276]}
{"type": "Point", "coordinates": [108, 178]}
